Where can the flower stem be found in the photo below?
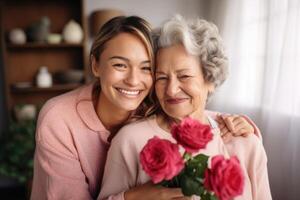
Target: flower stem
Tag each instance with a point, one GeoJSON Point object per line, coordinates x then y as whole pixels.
{"type": "Point", "coordinates": [187, 156]}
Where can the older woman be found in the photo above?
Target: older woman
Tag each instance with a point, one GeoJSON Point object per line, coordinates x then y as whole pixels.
{"type": "Point", "coordinates": [190, 65]}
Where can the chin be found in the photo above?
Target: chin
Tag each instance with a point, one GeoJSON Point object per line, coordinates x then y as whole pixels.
{"type": "Point", "coordinates": [177, 115]}
{"type": "Point", "coordinates": [129, 106]}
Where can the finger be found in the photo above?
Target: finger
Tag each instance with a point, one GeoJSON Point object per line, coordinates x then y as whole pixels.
{"type": "Point", "coordinates": [240, 129]}
{"type": "Point", "coordinates": [245, 134]}
{"type": "Point", "coordinates": [184, 198]}
{"type": "Point", "coordinates": [226, 138]}
{"type": "Point", "coordinates": [173, 193]}
{"type": "Point", "coordinates": [237, 119]}
{"type": "Point", "coordinates": [228, 121]}
{"type": "Point", "coordinates": [224, 131]}
{"type": "Point", "coordinates": [243, 127]}
{"type": "Point", "coordinates": [219, 119]}
{"type": "Point", "coordinates": [221, 126]}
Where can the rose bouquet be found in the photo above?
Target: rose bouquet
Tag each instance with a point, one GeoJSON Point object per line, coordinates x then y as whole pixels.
{"type": "Point", "coordinates": [161, 159]}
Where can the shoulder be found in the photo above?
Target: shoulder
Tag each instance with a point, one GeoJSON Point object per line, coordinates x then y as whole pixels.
{"type": "Point", "coordinates": [249, 149]}
{"type": "Point", "coordinates": [133, 136]}
{"type": "Point", "coordinates": [56, 115]}
{"type": "Point", "coordinates": [61, 104]}
{"type": "Point", "coordinates": [64, 106]}
{"type": "Point", "coordinates": [133, 130]}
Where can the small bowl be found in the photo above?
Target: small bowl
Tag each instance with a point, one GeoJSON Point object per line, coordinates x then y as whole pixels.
{"type": "Point", "coordinates": [54, 38]}
{"type": "Point", "coordinates": [69, 76]}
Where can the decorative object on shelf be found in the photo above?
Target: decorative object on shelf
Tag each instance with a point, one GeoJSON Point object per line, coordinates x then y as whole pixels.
{"type": "Point", "coordinates": [44, 78]}
{"type": "Point", "coordinates": [25, 112]}
{"type": "Point", "coordinates": [17, 36]}
{"type": "Point", "coordinates": [38, 31]}
{"type": "Point", "coordinates": [72, 32]}
{"type": "Point", "coordinates": [100, 17]}
{"type": "Point", "coordinates": [54, 38]}
{"type": "Point", "coordinates": [69, 76]}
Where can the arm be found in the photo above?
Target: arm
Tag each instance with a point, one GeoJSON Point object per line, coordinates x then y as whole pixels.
{"type": "Point", "coordinates": [258, 172]}
{"type": "Point", "coordinates": [58, 172]}
{"type": "Point", "coordinates": [121, 167]}
{"type": "Point", "coordinates": [57, 169]}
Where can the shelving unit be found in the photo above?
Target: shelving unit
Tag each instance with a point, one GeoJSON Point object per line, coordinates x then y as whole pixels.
{"type": "Point", "coordinates": [22, 62]}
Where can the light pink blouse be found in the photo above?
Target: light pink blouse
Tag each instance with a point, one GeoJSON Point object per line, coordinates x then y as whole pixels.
{"type": "Point", "coordinates": [123, 169]}
{"type": "Point", "coordinates": [71, 148]}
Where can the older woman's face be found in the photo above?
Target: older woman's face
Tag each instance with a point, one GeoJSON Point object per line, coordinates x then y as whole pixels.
{"type": "Point", "coordinates": [179, 86]}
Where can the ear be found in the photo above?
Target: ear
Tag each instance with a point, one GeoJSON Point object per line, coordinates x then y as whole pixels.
{"type": "Point", "coordinates": [95, 66]}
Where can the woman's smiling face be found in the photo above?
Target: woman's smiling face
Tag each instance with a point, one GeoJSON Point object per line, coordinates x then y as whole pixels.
{"type": "Point", "coordinates": [124, 70]}
{"type": "Point", "coordinates": [179, 83]}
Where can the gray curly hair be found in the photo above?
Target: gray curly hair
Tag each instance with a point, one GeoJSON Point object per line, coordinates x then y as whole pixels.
{"type": "Point", "coordinates": [200, 38]}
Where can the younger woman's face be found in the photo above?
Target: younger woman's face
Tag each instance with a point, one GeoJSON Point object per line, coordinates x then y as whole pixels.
{"type": "Point", "coordinates": [124, 70]}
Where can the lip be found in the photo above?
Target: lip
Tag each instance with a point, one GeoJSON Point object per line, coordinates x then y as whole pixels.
{"type": "Point", "coordinates": [176, 100]}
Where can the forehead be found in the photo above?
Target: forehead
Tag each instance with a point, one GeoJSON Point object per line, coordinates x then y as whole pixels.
{"type": "Point", "coordinates": [126, 44]}
{"type": "Point", "coordinates": [175, 58]}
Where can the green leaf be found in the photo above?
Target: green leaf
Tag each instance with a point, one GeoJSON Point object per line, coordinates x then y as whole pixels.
{"type": "Point", "coordinates": [197, 166]}
{"type": "Point", "coordinates": [17, 150]}
{"type": "Point", "coordinates": [190, 186]}
{"type": "Point", "coordinates": [208, 196]}
{"type": "Point", "coordinates": [201, 158]}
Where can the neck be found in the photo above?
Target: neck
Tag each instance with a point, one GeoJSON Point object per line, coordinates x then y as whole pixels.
{"type": "Point", "coordinates": [111, 117]}
{"type": "Point", "coordinates": [165, 121]}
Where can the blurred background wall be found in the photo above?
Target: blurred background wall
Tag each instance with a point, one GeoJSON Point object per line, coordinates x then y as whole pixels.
{"type": "Point", "coordinates": [155, 11]}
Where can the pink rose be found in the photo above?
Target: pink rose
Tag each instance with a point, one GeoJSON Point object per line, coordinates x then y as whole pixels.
{"type": "Point", "coordinates": [192, 135]}
{"type": "Point", "coordinates": [161, 159]}
{"type": "Point", "coordinates": [225, 178]}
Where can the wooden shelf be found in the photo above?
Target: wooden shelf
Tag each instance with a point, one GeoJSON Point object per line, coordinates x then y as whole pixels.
{"type": "Point", "coordinates": [43, 45]}
{"type": "Point", "coordinates": [54, 88]}
{"type": "Point", "coordinates": [22, 62]}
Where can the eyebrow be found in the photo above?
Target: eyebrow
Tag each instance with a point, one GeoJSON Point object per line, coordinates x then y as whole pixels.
{"type": "Point", "coordinates": [126, 59]}
{"type": "Point", "coordinates": [177, 71]}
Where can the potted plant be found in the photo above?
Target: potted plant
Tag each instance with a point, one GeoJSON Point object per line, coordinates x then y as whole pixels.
{"type": "Point", "coordinates": [17, 149]}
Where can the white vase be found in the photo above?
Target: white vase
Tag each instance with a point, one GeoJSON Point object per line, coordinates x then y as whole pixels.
{"type": "Point", "coordinates": [17, 36]}
{"type": "Point", "coordinates": [72, 32]}
{"type": "Point", "coordinates": [44, 78]}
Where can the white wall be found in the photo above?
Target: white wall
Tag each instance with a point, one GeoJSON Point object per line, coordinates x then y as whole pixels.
{"type": "Point", "coordinates": [154, 11]}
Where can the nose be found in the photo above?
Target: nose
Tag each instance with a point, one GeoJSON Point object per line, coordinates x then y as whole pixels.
{"type": "Point", "coordinates": [133, 77]}
{"type": "Point", "coordinates": [172, 87]}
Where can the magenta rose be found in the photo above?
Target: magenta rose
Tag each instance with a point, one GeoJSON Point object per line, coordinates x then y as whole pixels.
{"type": "Point", "coordinates": [191, 134]}
{"type": "Point", "coordinates": [161, 159]}
{"type": "Point", "coordinates": [225, 177]}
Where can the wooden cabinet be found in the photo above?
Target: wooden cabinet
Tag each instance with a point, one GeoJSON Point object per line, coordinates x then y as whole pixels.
{"type": "Point", "coordinates": [22, 62]}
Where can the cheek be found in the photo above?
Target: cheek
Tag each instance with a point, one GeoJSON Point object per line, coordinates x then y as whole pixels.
{"type": "Point", "coordinates": [159, 91]}
{"type": "Point", "coordinates": [111, 74]}
{"type": "Point", "coordinates": [148, 80]}
{"type": "Point", "coordinates": [196, 90]}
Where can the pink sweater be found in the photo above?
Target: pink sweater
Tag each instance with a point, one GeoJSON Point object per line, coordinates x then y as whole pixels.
{"type": "Point", "coordinates": [71, 148]}
{"type": "Point", "coordinates": [123, 169]}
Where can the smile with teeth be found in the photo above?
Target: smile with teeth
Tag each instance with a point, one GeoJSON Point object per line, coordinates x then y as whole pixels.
{"type": "Point", "coordinates": [129, 92]}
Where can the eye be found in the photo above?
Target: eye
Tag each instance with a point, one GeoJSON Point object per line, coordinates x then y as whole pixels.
{"type": "Point", "coordinates": [119, 65]}
{"type": "Point", "coordinates": [183, 77]}
{"type": "Point", "coordinates": [161, 78]}
{"type": "Point", "coordinates": [146, 68]}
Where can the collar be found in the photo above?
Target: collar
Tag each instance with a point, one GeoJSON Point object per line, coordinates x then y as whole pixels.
{"type": "Point", "coordinates": [87, 113]}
